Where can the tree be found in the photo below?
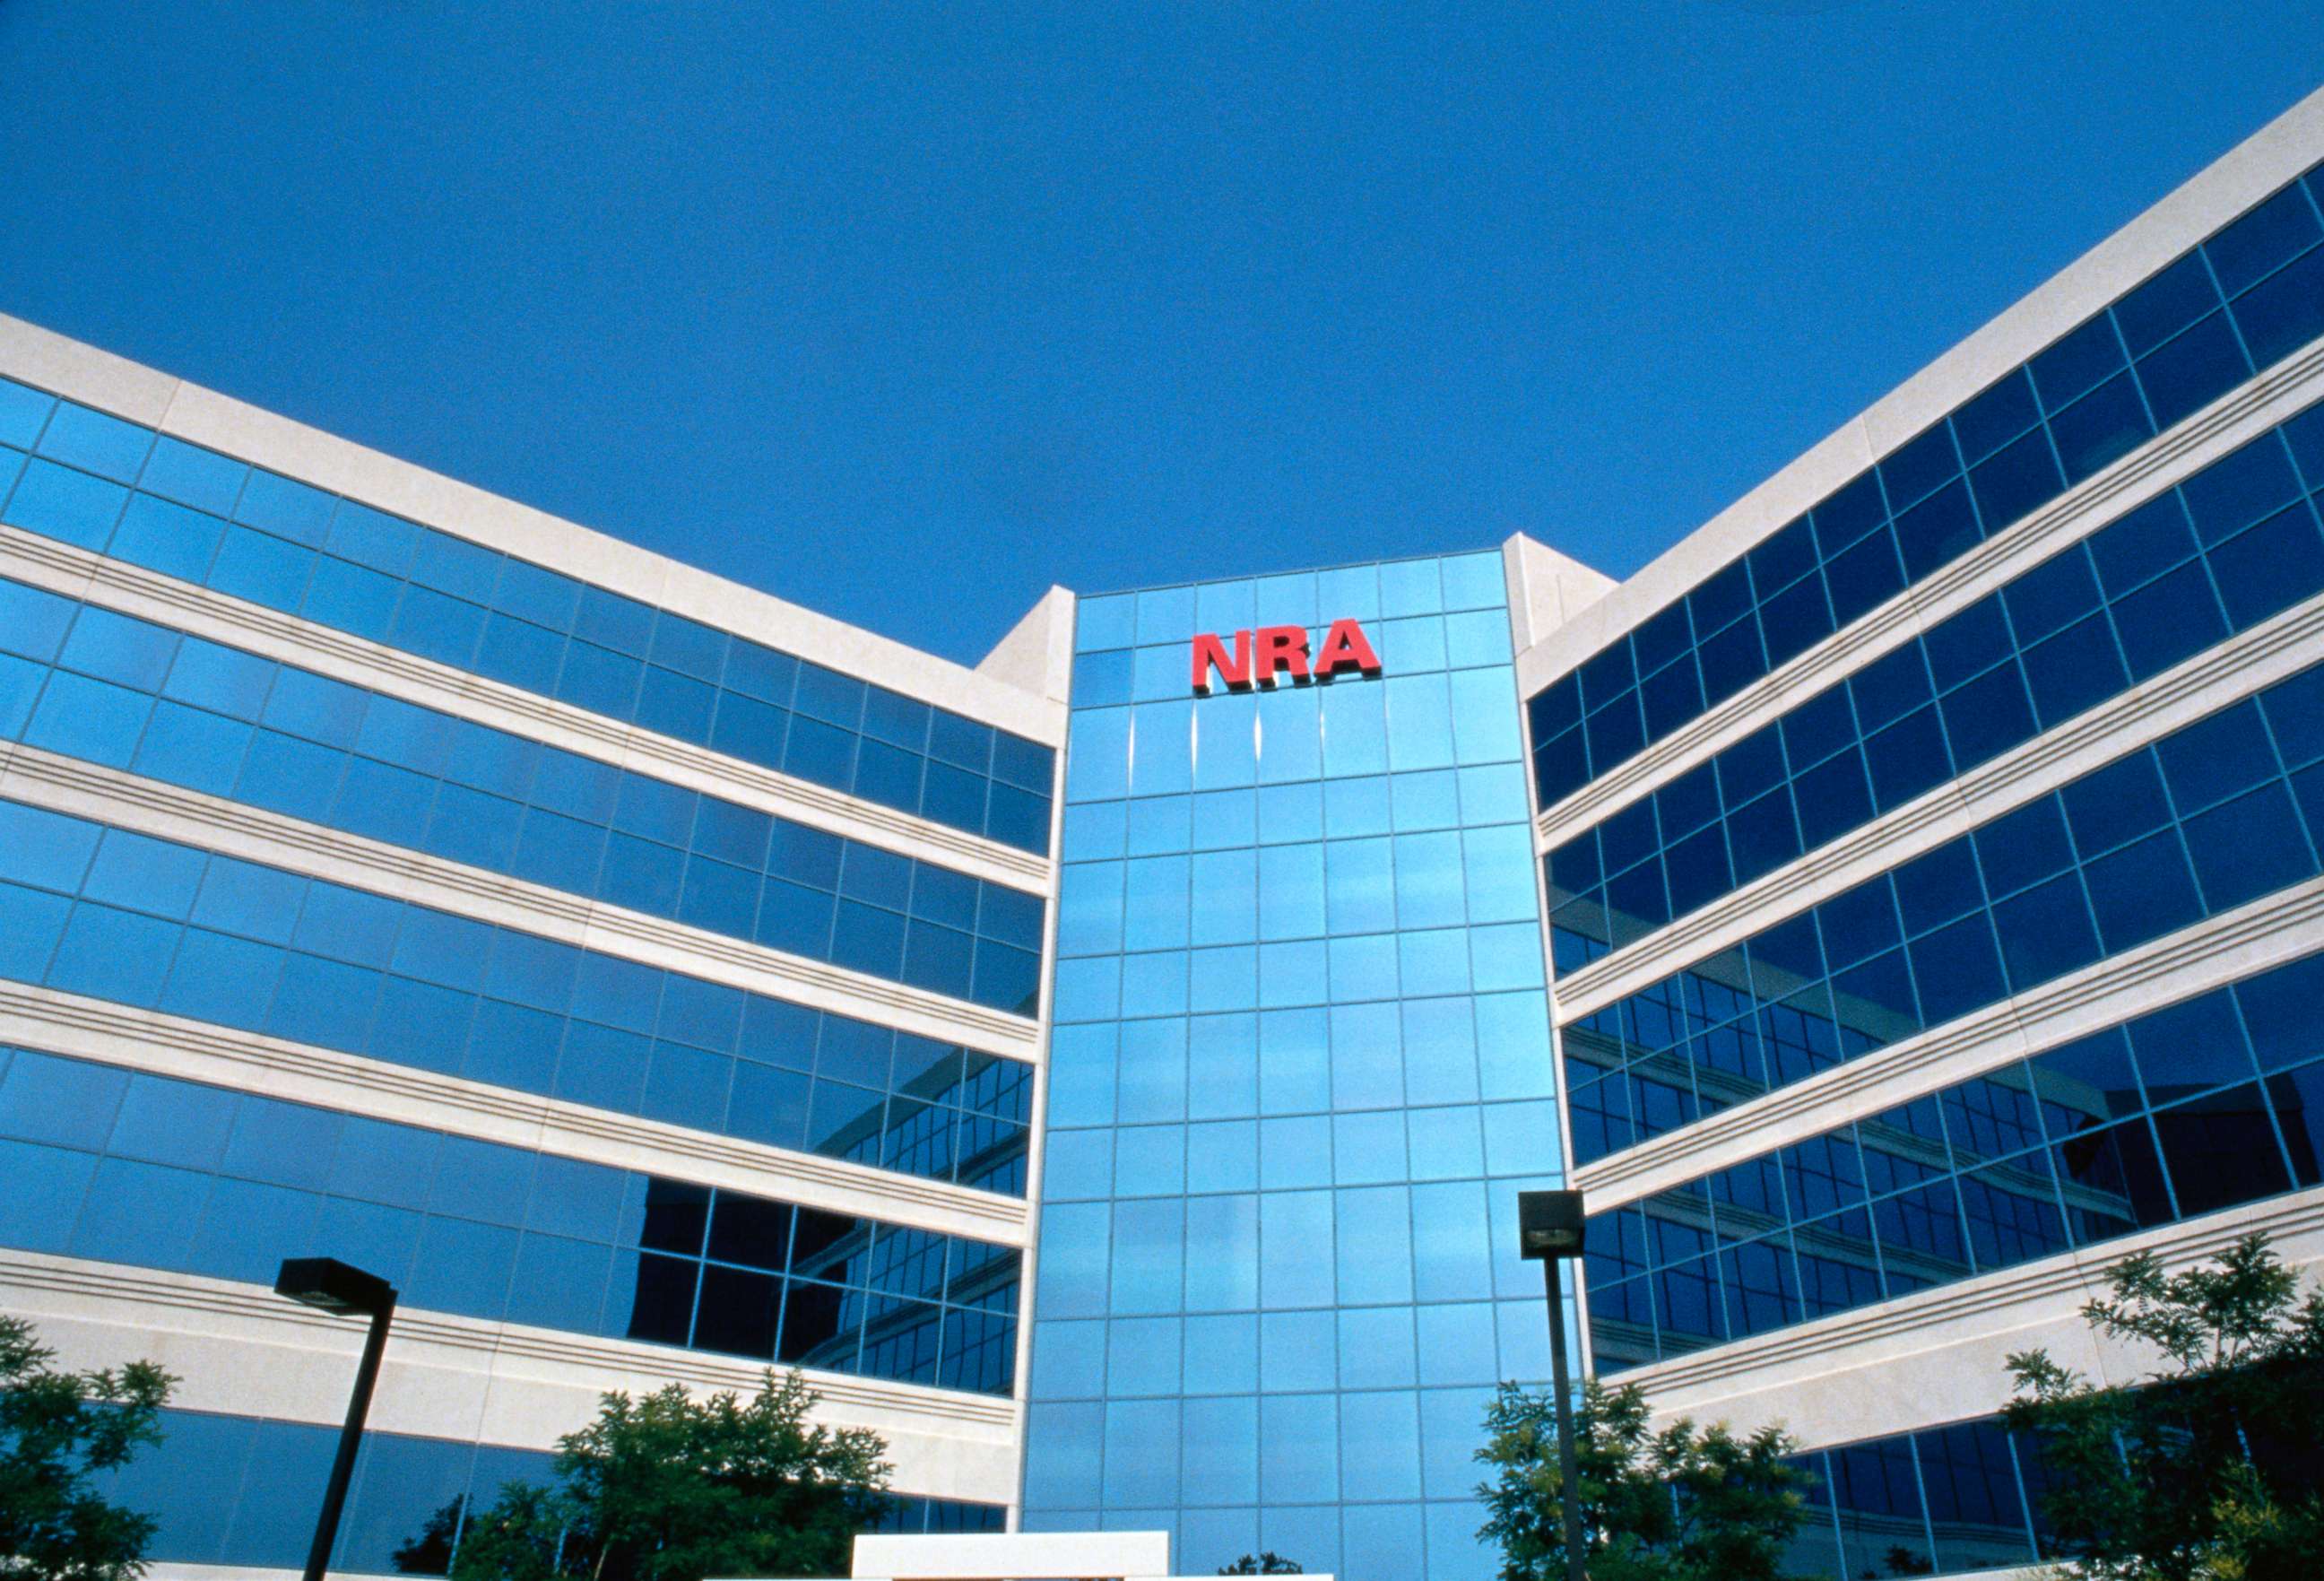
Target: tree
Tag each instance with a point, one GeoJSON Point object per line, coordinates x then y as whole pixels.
{"type": "Point", "coordinates": [668, 1488]}
{"type": "Point", "coordinates": [57, 1432]}
{"type": "Point", "coordinates": [1269, 1563]}
{"type": "Point", "coordinates": [2205, 1468]}
{"type": "Point", "coordinates": [1681, 1504]}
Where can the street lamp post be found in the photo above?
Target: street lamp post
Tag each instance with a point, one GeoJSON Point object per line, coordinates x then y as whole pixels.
{"type": "Point", "coordinates": [328, 1285]}
{"type": "Point", "coordinates": [1549, 1232]}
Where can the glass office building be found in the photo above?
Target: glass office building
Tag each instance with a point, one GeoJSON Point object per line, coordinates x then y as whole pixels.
{"type": "Point", "coordinates": [642, 974]}
{"type": "Point", "coordinates": [1299, 1069]}
{"type": "Point", "coordinates": [1109, 1071]}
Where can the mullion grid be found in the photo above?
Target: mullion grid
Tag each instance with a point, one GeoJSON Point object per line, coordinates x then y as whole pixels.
{"type": "Point", "coordinates": [1588, 923]}
{"type": "Point", "coordinates": [1639, 1024]}
{"type": "Point", "coordinates": [674, 685]}
{"type": "Point", "coordinates": [1932, 1145]}
{"type": "Point", "coordinates": [1567, 751]}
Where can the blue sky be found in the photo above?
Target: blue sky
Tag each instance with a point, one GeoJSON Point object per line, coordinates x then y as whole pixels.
{"type": "Point", "coordinates": [904, 311]}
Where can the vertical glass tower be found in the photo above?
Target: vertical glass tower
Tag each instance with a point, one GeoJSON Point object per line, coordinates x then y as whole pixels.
{"type": "Point", "coordinates": [1300, 1069]}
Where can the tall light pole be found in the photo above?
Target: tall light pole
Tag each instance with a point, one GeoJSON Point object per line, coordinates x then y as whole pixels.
{"type": "Point", "coordinates": [328, 1285]}
{"type": "Point", "coordinates": [1549, 1232]}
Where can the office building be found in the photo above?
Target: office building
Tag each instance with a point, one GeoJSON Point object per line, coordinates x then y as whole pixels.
{"type": "Point", "coordinates": [1108, 1072]}
{"type": "Point", "coordinates": [642, 973]}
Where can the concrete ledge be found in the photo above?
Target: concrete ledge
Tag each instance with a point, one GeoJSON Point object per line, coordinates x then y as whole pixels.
{"type": "Point", "coordinates": [151, 807]}
{"type": "Point", "coordinates": [2231, 421]}
{"type": "Point", "coordinates": [77, 574]}
{"type": "Point", "coordinates": [2247, 173]}
{"type": "Point", "coordinates": [203, 417]}
{"type": "Point", "coordinates": [2266, 933]}
{"type": "Point", "coordinates": [2215, 679]}
{"type": "Point", "coordinates": [167, 1045]}
{"type": "Point", "coordinates": [241, 1350]}
{"type": "Point", "coordinates": [1939, 1356]}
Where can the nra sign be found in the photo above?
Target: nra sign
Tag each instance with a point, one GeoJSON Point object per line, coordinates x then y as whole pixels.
{"type": "Point", "coordinates": [1261, 658]}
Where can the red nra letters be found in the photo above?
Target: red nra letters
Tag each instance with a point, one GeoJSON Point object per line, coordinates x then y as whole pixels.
{"type": "Point", "coordinates": [1261, 658]}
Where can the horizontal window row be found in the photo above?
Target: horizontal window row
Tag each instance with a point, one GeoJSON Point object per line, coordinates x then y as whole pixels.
{"type": "Point", "coordinates": [1420, 1053]}
{"type": "Point", "coordinates": [85, 681]}
{"type": "Point", "coordinates": [1438, 1346]}
{"type": "Point", "coordinates": [226, 1184]}
{"type": "Point", "coordinates": [1437, 1539]}
{"type": "Point", "coordinates": [1282, 1251]}
{"type": "Point", "coordinates": [115, 488]}
{"type": "Point", "coordinates": [2213, 1101]}
{"type": "Point", "coordinates": [1470, 641]}
{"type": "Point", "coordinates": [242, 1492]}
{"type": "Point", "coordinates": [1947, 1500]}
{"type": "Point", "coordinates": [2233, 546]}
{"type": "Point", "coordinates": [2251, 295]}
{"type": "Point", "coordinates": [1385, 589]}
{"type": "Point", "coordinates": [1321, 888]}
{"type": "Point", "coordinates": [1942, 1502]}
{"type": "Point", "coordinates": [1347, 729]}
{"type": "Point", "coordinates": [122, 917]}
{"type": "Point", "coordinates": [2216, 814]}
{"type": "Point", "coordinates": [1370, 1147]}
{"type": "Point", "coordinates": [1486, 959]}
{"type": "Point", "coordinates": [1385, 1447]}
{"type": "Point", "coordinates": [1410, 803]}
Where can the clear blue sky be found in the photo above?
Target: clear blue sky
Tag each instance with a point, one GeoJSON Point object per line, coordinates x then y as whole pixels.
{"type": "Point", "coordinates": [904, 311]}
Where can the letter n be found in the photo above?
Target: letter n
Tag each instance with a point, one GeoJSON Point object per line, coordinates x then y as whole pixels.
{"type": "Point", "coordinates": [1211, 653]}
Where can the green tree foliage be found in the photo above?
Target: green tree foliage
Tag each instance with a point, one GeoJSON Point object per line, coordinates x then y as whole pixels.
{"type": "Point", "coordinates": [1684, 1505]}
{"type": "Point", "coordinates": [668, 1488]}
{"type": "Point", "coordinates": [57, 1432]}
{"type": "Point", "coordinates": [2207, 1469]}
{"type": "Point", "coordinates": [1269, 1563]}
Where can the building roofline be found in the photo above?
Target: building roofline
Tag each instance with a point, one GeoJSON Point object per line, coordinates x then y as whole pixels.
{"type": "Point", "coordinates": [2252, 169]}
{"type": "Point", "coordinates": [199, 416]}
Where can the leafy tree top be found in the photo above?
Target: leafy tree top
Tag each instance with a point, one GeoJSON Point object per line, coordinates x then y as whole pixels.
{"type": "Point", "coordinates": [2205, 1468]}
{"type": "Point", "coordinates": [1269, 1563]}
{"type": "Point", "coordinates": [58, 1429]}
{"type": "Point", "coordinates": [1681, 1504]}
{"type": "Point", "coordinates": [666, 1487]}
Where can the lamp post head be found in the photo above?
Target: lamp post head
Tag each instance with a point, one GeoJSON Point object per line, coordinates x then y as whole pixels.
{"type": "Point", "coordinates": [1549, 1225]}
{"type": "Point", "coordinates": [329, 1285]}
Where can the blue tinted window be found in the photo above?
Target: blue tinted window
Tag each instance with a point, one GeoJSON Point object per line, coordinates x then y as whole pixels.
{"type": "Point", "coordinates": [2165, 349]}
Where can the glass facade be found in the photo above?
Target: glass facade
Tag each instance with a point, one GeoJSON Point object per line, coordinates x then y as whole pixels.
{"type": "Point", "coordinates": [2216, 814]}
{"type": "Point", "coordinates": [155, 1172]}
{"type": "Point", "coordinates": [90, 479]}
{"type": "Point", "coordinates": [2236, 543]}
{"type": "Point", "coordinates": [2249, 296]}
{"type": "Point", "coordinates": [119, 916]}
{"type": "Point", "coordinates": [87, 682]}
{"type": "Point", "coordinates": [242, 1492]}
{"type": "Point", "coordinates": [2212, 1101]}
{"type": "Point", "coordinates": [121, 1167]}
{"type": "Point", "coordinates": [1300, 1070]}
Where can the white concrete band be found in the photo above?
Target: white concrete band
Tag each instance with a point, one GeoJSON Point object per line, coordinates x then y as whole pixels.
{"type": "Point", "coordinates": [77, 574]}
{"type": "Point", "coordinates": [70, 785]}
{"type": "Point", "coordinates": [2278, 648]}
{"type": "Point", "coordinates": [241, 1350]}
{"type": "Point", "coordinates": [94, 378]}
{"type": "Point", "coordinates": [2223, 190]}
{"type": "Point", "coordinates": [1939, 1356]}
{"type": "Point", "coordinates": [2267, 932]}
{"type": "Point", "coordinates": [161, 1044]}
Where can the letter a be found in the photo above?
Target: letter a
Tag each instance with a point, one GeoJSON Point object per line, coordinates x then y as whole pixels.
{"type": "Point", "coordinates": [1345, 647]}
